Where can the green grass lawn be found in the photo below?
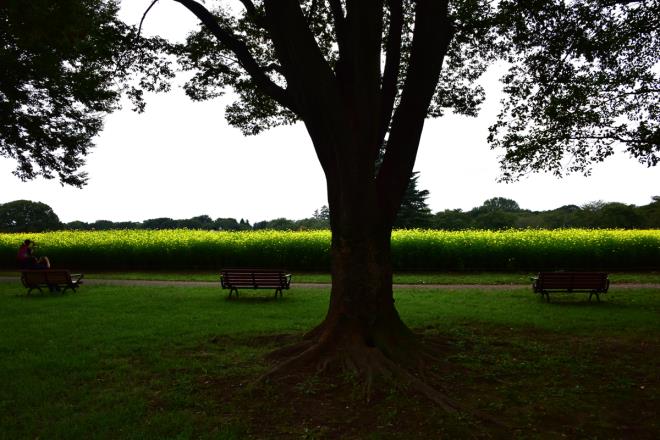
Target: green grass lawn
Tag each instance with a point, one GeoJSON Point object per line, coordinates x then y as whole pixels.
{"type": "Point", "coordinates": [176, 362]}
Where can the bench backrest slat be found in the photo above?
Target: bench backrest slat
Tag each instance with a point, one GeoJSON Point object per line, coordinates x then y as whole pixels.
{"type": "Point", "coordinates": [254, 277]}
{"type": "Point", "coordinates": [34, 277]}
{"type": "Point", "coordinates": [572, 280]}
{"type": "Point", "coordinates": [58, 277]}
{"type": "Point", "coordinates": [44, 277]}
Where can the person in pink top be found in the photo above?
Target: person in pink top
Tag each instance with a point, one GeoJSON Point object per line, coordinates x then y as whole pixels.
{"type": "Point", "coordinates": [27, 260]}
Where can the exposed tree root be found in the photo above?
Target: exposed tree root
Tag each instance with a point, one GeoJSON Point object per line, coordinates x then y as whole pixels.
{"type": "Point", "coordinates": [347, 352]}
{"type": "Point", "coordinates": [290, 350]}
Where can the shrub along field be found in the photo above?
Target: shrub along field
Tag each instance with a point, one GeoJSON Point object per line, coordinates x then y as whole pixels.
{"type": "Point", "coordinates": [413, 250]}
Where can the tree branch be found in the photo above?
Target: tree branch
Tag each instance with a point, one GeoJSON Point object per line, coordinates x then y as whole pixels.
{"type": "Point", "coordinates": [360, 76]}
{"type": "Point", "coordinates": [620, 2]}
{"type": "Point", "coordinates": [242, 52]}
{"type": "Point", "coordinates": [145, 16]}
{"type": "Point", "coordinates": [432, 35]}
{"type": "Point", "coordinates": [249, 7]}
{"type": "Point", "coordinates": [254, 14]}
{"type": "Point", "coordinates": [340, 23]}
{"type": "Point", "coordinates": [391, 72]}
{"type": "Point", "coordinates": [312, 83]}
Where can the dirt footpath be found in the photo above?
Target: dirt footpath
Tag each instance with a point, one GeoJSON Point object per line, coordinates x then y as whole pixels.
{"type": "Point", "coordinates": [98, 281]}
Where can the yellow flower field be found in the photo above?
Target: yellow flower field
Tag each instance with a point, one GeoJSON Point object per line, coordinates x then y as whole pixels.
{"type": "Point", "coordinates": [182, 249]}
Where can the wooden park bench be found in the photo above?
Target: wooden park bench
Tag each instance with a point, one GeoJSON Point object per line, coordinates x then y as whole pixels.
{"type": "Point", "coordinates": [53, 279]}
{"type": "Point", "coordinates": [234, 279]}
{"type": "Point", "coordinates": [593, 283]}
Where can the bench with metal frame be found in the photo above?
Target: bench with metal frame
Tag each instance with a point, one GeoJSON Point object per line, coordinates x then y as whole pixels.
{"type": "Point", "coordinates": [593, 283]}
{"type": "Point", "coordinates": [53, 279]}
{"type": "Point", "coordinates": [234, 279]}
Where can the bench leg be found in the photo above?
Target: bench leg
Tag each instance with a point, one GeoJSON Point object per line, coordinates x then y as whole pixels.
{"type": "Point", "coordinates": [278, 291]}
{"type": "Point", "coordinates": [232, 290]}
{"type": "Point", "coordinates": [594, 293]}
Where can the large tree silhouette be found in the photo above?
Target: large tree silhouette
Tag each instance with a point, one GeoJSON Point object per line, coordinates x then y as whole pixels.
{"type": "Point", "coordinates": [322, 64]}
{"type": "Point", "coordinates": [363, 75]}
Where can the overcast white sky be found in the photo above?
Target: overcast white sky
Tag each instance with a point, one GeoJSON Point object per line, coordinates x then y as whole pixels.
{"type": "Point", "coordinates": [180, 159]}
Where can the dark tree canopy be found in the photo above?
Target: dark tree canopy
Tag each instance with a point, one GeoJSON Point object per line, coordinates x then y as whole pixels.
{"type": "Point", "coordinates": [499, 204]}
{"type": "Point", "coordinates": [583, 75]}
{"type": "Point", "coordinates": [27, 216]}
{"type": "Point", "coordinates": [583, 80]}
{"type": "Point", "coordinates": [63, 67]}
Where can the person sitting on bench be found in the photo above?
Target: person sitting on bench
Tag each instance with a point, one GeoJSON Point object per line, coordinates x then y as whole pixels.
{"type": "Point", "coordinates": [27, 260]}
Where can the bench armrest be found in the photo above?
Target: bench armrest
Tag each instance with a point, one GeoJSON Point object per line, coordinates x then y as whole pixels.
{"type": "Point", "coordinates": [535, 283]}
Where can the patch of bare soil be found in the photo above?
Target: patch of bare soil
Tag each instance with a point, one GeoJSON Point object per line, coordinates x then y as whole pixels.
{"type": "Point", "coordinates": [535, 384]}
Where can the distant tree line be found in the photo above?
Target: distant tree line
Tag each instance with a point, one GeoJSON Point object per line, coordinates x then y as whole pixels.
{"type": "Point", "coordinates": [495, 214]}
{"type": "Point", "coordinates": [501, 213]}
{"type": "Point", "coordinates": [199, 222]}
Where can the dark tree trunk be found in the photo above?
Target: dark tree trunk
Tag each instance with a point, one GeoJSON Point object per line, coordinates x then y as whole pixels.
{"type": "Point", "coordinates": [362, 329]}
{"type": "Point", "coordinates": [361, 315]}
{"type": "Point", "coordinates": [347, 112]}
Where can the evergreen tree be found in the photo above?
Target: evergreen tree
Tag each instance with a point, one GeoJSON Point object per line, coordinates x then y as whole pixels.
{"type": "Point", "coordinates": [244, 225]}
{"type": "Point", "coordinates": [414, 211]}
{"type": "Point", "coordinates": [322, 214]}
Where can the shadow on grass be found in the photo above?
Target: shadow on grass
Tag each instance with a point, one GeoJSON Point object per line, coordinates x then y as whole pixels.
{"type": "Point", "coordinates": [44, 295]}
{"type": "Point", "coordinates": [254, 299]}
{"type": "Point", "coordinates": [604, 304]}
{"type": "Point", "coordinates": [585, 303]}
